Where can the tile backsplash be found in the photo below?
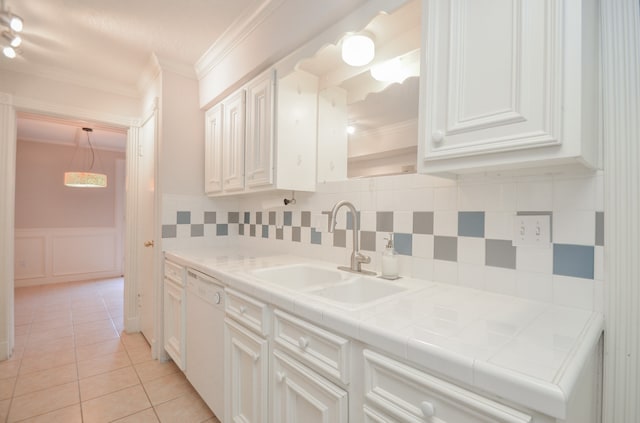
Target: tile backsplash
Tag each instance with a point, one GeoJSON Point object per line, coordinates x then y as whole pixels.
{"type": "Point", "coordinates": [450, 231]}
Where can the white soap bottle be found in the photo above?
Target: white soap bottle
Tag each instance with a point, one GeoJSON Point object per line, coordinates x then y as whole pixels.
{"type": "Point", "coordinates": [389, 260]}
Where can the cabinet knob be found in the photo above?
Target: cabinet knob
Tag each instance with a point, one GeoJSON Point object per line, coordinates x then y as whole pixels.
{"type": "Point", "coordinates": [149, 243]}
{"type": "Point", "coordinates": [437, 137]}
{"type": "Point", "coordinates": [217, 299]}
{"type": "Point", "coordinates": [243, 309]}
{"type": "Point", "coordinates": [303, 342]}
{"type": "Point", "coordinates": [428, 410]}
{"type": "Point", "coordinates": [281, 376]}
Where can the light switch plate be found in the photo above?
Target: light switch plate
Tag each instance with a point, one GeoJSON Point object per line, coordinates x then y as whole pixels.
{"type": "Point", "coordinates": [532, 230]}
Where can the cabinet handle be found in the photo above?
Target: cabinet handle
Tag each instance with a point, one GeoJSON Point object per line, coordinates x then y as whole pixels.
{"type": "Point", "coordinates": [303, 342]}
{"type": "Point", "coordinates": [243, 309]}
{"type": "Point", "coordinates": [281, 376]}
{"type": "Point", "coordinates": [437, 137]}
{"type": "Point", "coordinates": [428, 410]}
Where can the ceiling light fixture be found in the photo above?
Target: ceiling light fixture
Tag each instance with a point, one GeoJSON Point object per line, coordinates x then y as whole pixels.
{"type": "Point", "coordinates": [358, 49]}
{"type": "Point", "coordinates": [10, 38]}
{"type": "Point", "coordinates": [87, 178]}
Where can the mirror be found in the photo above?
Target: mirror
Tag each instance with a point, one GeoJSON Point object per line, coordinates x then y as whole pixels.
{"type": "Point", "coordinates": [368, 115]}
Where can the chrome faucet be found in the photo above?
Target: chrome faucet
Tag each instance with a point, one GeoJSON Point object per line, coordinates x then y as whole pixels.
{"type": "Point", "coordinates": [357, 258]}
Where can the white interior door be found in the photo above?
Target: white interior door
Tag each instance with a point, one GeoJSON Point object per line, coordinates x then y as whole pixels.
{"type": "Point", "coordinates": [147, 290]}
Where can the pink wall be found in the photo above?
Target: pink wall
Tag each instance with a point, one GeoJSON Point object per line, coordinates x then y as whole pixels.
{"type": "Point", "coordinates": [42, 200]}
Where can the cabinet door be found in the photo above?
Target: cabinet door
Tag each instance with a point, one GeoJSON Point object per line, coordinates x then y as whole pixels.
{"type": "Point", "coordinates": [259, 142]}
{"type": "Point", "coordinates": [213, 150]}
{"type": "Point", "coordinates": [301, 395]}
{"type": "Point", "coordinates": [233, 132]}
{"type": "Point", "coordinates": [174, 341]}
{"type": "Point", "coordinates": [246, 378]}
{"type": "Point", "coordinates": [492, 77]}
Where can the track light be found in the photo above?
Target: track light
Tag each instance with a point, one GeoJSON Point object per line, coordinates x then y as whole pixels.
{"type": "Point", "coordinates": [9, 52]}
{"type": "Point", "coordinates": [10, 39]}
{"type": "Point", "coordinates": [12, 21]}
{"type": "Point", "coordinates": [14, 39]}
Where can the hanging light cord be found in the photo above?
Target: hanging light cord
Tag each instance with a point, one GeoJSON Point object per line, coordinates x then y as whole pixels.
{"type": "Point", "coordinates": [93, 155]}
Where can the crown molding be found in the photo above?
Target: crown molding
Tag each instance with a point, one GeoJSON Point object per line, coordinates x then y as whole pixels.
{"type": "Point", "coordinates": [241, 28]}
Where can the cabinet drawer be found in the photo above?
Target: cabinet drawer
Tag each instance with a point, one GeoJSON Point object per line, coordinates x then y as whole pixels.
{"type": "Point", "coordinates": [410, 395]}
{"type": "Point", "coordinates": [174, 272]}
{"type": "Point", "coordinates": [318, 348]}
{"type": "Point", "coordinates": [251, 313]}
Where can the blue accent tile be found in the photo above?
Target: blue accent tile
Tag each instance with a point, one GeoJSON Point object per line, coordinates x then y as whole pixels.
{"type": "Point", "coordinates": [222, 229]}
{"type": "Point", "coordinates": [287, 218]}
{"type": "Point", "coordinates": [169, 231]}
{"type": "Point", "coordinates": [265, 231]}
{"type": "Point", "coordinates": [247, 217]}
{"type": "Point", "coordinates": [316, 237]}
{"type": "Point", "coordinates": [350, 220]}
{"type": "Point", "coordinates": [471, 224]}
{"type": "Point", "coordinates": [197, 230]}
{"type": "Point", "coordinates": [403, 244]}
{"type": "Point", "coordinates": [183, 218]}
{"type": "Point", "coordinates": [573, 260]}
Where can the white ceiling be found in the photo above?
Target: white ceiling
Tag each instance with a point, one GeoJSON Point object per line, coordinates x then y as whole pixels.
{"type": "Point", "coordinates": [109, 43]}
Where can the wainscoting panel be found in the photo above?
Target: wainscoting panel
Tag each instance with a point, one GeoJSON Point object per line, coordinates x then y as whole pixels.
{"type": "Point", "coordinates": [52, 255]}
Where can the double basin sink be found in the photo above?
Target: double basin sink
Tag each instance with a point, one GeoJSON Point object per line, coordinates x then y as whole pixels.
{"type": "Point", "coordinates": [348, 289]}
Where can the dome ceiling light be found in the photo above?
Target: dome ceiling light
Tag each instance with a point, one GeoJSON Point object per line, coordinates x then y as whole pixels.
{"type": "Point", "coordinates": [358, 49]}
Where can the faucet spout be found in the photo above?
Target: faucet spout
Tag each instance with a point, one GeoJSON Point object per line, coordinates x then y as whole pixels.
{"type": "Point", "coordinates": [357, 258]}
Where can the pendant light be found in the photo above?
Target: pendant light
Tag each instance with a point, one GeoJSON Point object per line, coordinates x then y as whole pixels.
{"type": "Point", "coordinates": [87, 178]}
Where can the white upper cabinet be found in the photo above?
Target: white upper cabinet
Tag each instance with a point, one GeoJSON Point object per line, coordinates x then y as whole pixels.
{"type": "Point", "coordinates": [274, 147]}
{"type": "Point", "coordinates": [259, 142]}
{"type": "Point", "coordinates": [508, 84]}
{"type": "Point", "coordinates": [233, 132]}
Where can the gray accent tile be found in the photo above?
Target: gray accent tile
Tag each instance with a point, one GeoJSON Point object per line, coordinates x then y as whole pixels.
{"type": "Point", "coordinates": [197, 230]}
{"type": "Point", "coordinates": [252, 230]}
{"type": "Point", "coordinates": [599, 228]}
{"type": "Point", "coordinates": [305, 219]}
{"type": "Point", "coordinates": [368, 240]}
{"type": "Point", "coordinates": [445, 248]}
{"type": "Point", "coordinates": [222, 229]}
{"type": "Point", "coordinates": [500, 253]}
{"type": "Point", "coordinates": [265, 231]}
{"type": "Point", "coordinates": [247, 217]}
{"type": "Point", "coordinates": [316, 237]}
{"type": "Point", "coordinates": [234, 217]}
{"type": "Point", "coordinates": [340, 238]}
{"type": "Point", "coordinates": [296, 234]}
{"type": "Point", "coordinates": [241, 229]}
{"type": "Point", "coordinates": [288, 218]}
{"type": "Point", "coordinates": [279, 233]}
{"type": "Point", "coordinates": [471, 224]}
{"type": "Point", "coordinates": [573, 260]}
{"type": "Point", "coordinates": [169, 231]}
{"type": "Point", "coordinates": [183, 218]}
{"type": "Point", "coordinates": [258, 218]}
{"type": "Point", "coordinates": [210, 217]}
{"type": "Point", "coordinates": [272, 218]}
{"type": "Point", "coordinates": [403, 243]}
{"type": "Point", "coordinates": [384, 221]}
{"type": "Point", "coordinates": [423, 223]}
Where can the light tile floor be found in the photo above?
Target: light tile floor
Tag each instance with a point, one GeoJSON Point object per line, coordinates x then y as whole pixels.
{"type": "Point", "coordinates": [74, 363]}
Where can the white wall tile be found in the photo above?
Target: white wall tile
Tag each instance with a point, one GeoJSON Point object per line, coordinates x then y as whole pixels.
{"type": "Point", "coordinates": [498, 225]}
{"type": "Point", "coordinates": [445, 223]}
{"type": "Point", "coordinates": [422, 246]}
{"type": "Point", "coordinates": [598, 263]}
{"type": "Point", "coordinates": [472, 197]}
{"type": "Point", "coordinates": [471, 250]}
{"type": "Point", "coordinates": [445, 271]}
{"type": "Point", "coordinates": [534, 196]}
{"type": "Point", "coordinates": [422, 268]}
{"type": "Point", "coordinates": [502, 281]}
{"type": "Point", "coordinates": [574, 194]}
{"type": "Point", "coordinates": [574, 227]}
{"type": "Point", "coordinates": [446, 198]}
{"type": "Point", "coordinates": [368, 220]}
{"type": "Point", "coordinates": [534, 286]}
{"type": "Point", "coordinates": [573, 292]}
{"type": "Point", "coordinates": [403, 222]}
{"type": "Point", "coordinates": [534, 259]}
{"type": "Point", "coordinates": [471, 275]}
{"type": "Point", "coordinates": [501, 197]}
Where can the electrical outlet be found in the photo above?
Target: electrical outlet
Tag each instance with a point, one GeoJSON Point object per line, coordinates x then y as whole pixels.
{"type": "Point", "coordinates": [532, 230]}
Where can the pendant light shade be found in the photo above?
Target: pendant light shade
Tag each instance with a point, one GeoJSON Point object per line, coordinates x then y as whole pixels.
{"type": "Point", "coordinates": [86, 178]}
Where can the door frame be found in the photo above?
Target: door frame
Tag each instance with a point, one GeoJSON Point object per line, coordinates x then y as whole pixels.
{"type": "Point", "coordinates": [10, 106]}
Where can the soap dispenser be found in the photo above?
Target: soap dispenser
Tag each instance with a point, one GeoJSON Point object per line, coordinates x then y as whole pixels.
{"type": "Point", "coordinates": [389, 260]}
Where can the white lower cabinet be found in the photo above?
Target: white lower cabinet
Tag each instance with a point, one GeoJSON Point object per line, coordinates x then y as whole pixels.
{"type": "Point", "coordinates": [174, 313]}
{"type": "Point", "coordinates": [302, 395]}
{"type": "Point", "coordinates": [395, 392]}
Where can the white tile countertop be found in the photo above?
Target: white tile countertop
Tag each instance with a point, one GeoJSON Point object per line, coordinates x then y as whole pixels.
{"type": "Point", "coordinates": [524, 351]}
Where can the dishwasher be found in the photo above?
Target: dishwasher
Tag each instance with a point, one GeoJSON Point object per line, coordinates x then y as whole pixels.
{"type": "Point", "coordinates": [205, 339]}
